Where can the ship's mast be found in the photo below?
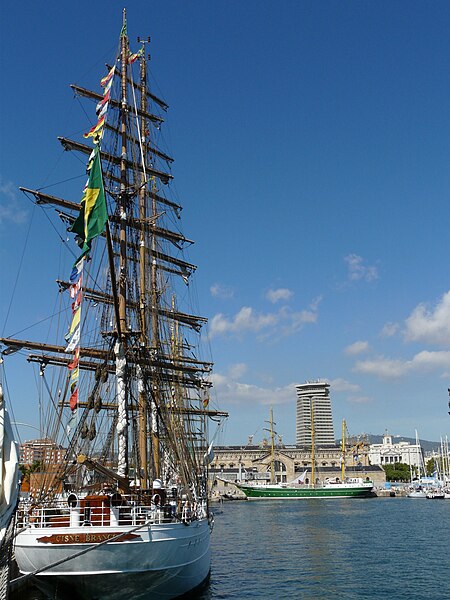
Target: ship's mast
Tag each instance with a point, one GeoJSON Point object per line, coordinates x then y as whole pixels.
{"type": "Point", "coordinates": [272, 439]}
{"type": "Point", "coordinates": [344, 426]}
{"type": "Point", "coordinates": [313, 446]}
{"type": "Point", "coordinates": [142, 400]}
{"type": "Point", "coordinates": [154, 299]}
{"type": "Point", "coordinates": [157, 401]}
{"type": "Point", "coordinates": [123, 197]}
{"type": "Point", "coordinates": [272, 447]}
{"type": "Point", "coordinates": [120, 347]}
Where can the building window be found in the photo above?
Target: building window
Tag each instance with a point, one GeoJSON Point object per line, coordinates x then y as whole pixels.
{"type": "Point", "coordinates": [279, 466]}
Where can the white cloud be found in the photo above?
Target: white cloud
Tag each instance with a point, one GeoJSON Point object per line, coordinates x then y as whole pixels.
{"type": "Point", "coordinates": [358, 271]}
{"type": "Point", "coordinates": [433, 360]}
{"type": "Point", "coordinates": [342, 385]}
{"type": "Point", "coordinates": [357, 348]}
{"type": "Point", "coordinates": [358, 399]}
{"type": "Point", "coordinates": [279, 294]}
{"type": "Point", "coordinates": [383, 367]}
{"type": "Point", "coordinates": [395, 368]}
{"type": "Point", "coordinates": [221, 291]}
{"type": "Point", "coordinates": [295, 320]}
{"type": "Point", "coordinates": [430, 325]}
{"type": "Point", "coordinates": [245, 320]}
{"type": "Point", "coordinates": [315, 303]}
{"type": "Point", "coordinates": [237, 371]}
{"type": "Point", "coordinates": [291, 321]}
{"type": "Point", "coordinates": [284, 322]}
{"type": "Point", "coordinates": [389, 329]}
{"type": "Point", "coordinates": [10, 207]}
{"type": "Point", "coordinates": [350, 390]}
{"type": "Point", "coordinates": [233, 392]}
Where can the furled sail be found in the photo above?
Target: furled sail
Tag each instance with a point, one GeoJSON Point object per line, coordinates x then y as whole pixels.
{"type": "Point", "coordinates": [9, 465]}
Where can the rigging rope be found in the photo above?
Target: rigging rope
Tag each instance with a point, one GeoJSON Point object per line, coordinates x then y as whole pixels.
{"type": "Point", "coordinates": [18, 272]}
{"type": "Point", "coordinates": [139, 131]}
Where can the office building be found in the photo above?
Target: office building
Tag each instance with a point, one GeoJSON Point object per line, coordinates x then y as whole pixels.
{"type": "Point", "coordinates": [314, 397]}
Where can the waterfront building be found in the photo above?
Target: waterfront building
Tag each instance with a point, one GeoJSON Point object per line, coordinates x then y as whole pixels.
{"type": "Point", "coordinates": [389, 453]}
{"type": "Point", "coordinates": [314, 397]}
{"type": "Point", "coordinates": [42, 450]}
{"type": "Point", "coordinates": [252, 462]}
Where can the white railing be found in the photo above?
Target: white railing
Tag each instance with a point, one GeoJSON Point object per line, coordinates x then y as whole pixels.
{"type": "Point", "coordinates": [59, 514]}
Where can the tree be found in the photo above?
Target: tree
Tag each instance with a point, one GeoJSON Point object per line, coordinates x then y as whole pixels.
{"type": "Point", "coordinates": [431, 466]}
{"type": "Point", "coordinates": [397, 472]}
{"type": "Point", "coordinates": [28, 469]}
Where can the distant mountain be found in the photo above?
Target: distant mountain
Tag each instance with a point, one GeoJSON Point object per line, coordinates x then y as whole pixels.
{"type": "Point", "coordinates": [426, 445]}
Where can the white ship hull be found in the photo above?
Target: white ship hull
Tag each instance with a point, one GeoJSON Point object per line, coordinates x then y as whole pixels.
{"type": "Point", "coordinates": [167, 560]}
{"type": "Point", "coordinates": [417, 494]}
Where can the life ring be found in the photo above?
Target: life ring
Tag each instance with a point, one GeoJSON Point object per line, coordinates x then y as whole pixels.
{"type": "Point", "coordinates": [72, 501]}
{"type": "Point", "coordinates": [156, 499]}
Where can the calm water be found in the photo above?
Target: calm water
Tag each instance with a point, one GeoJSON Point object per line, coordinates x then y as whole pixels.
{"type": "Point", "coordinates": [385, 548]}
{"type": "Point", "coordinates": [322, 549]}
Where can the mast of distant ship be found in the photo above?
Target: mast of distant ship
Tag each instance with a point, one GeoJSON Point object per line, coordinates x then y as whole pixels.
{"type": "Point", "coordinates": [272, 446]}
{"type": "Point", "coordinates": [313, 448]}
{"type": "Point", "coordinates": [272, 439]}
{"type": "Point", "coordinates": [343, 448]}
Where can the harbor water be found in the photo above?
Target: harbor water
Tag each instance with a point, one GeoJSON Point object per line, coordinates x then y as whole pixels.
{"type": "Point", "coordinates": [324, 549]}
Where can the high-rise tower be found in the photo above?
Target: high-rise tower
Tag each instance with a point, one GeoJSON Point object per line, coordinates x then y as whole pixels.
{"type": "Point", "coordinates": [314, 396]}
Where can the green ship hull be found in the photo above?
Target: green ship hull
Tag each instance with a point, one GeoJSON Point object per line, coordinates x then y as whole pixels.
{"type": "Point", "coordinates": [280, 492]}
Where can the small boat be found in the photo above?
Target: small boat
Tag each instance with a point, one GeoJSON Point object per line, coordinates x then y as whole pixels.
{"type": "Point", "coordinates": [436, 494]}
{"type": "Point", "coordinates": [417, 492]}
{"type": "Point", "coordinates": [125, 512]}
{"type": "Point", "coordinates": [230, 497]}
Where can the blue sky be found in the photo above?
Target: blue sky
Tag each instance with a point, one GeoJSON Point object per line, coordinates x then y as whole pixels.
{"type": "Point", "coordinates": [311, 145]}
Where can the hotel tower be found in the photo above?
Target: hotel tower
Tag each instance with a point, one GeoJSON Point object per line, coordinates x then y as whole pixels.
{"type": "Point", "coordinates": [314, 396]}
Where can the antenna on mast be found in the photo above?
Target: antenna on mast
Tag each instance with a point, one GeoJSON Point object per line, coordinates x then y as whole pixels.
{"type": "Point", "coordinates": [144, 41]}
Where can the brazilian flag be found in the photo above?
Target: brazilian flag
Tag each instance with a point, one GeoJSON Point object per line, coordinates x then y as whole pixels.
{"type": "Point", "coordinates": [93, 212]}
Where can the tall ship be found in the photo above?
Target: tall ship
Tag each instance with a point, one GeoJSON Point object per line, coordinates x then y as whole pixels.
{"type": "Point", "coordinates": [118, 504]}
{"type": "Point", "coordinates": [308, 485]}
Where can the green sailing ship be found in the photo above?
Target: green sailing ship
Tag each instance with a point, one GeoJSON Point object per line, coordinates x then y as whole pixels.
{"type": "Point", "coordinates": [354, 487]}
{"type": "Point", "coordinates": [344, 487]}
